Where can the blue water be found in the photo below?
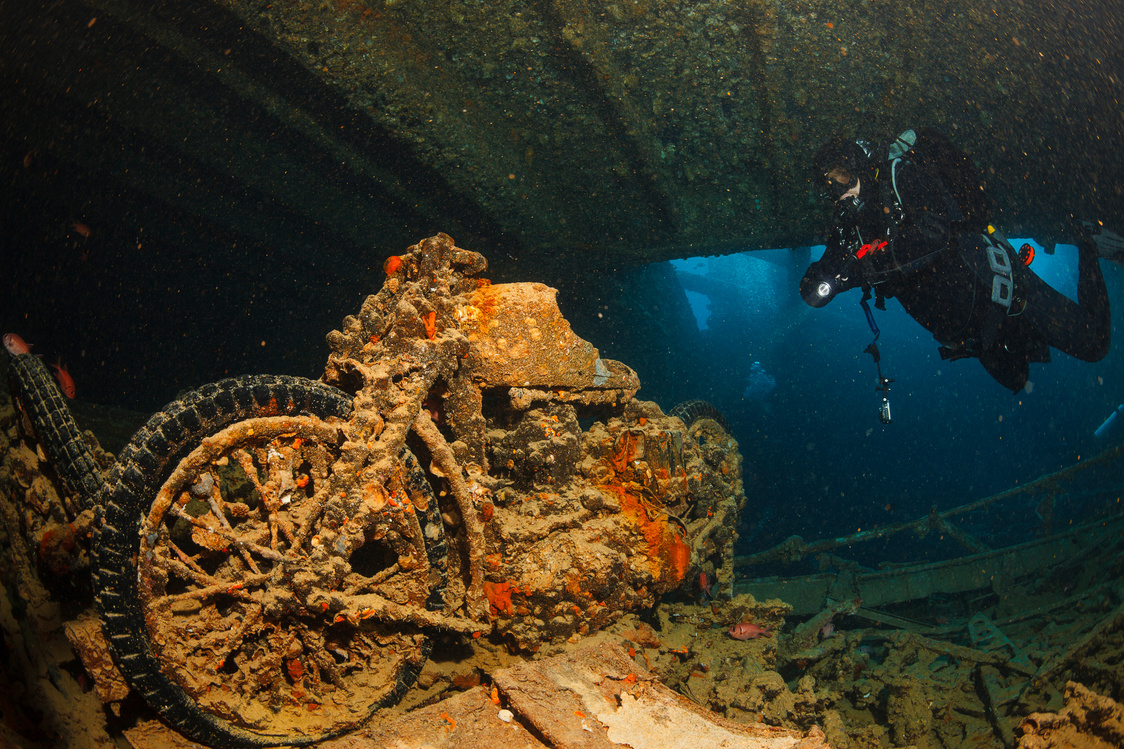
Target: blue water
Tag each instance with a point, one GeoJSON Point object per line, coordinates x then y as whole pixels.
{"type": "Point", "coordinates": [819, 463]}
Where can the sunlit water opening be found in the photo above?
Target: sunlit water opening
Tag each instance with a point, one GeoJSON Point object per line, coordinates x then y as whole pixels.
{"type": "Point", "coordinates": [798, 391]}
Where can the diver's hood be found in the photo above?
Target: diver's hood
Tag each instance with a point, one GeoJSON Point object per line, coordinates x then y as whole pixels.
{"type": "Point", "coordinates": [854, 160]}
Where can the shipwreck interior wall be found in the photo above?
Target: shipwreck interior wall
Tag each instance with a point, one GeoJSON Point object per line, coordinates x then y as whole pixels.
{"type": "Point", "coordinates": [270, 155]}
{"type": "Point", "coordinates": [638, 129]}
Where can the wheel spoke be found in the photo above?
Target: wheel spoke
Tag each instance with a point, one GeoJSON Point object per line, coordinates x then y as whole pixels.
{"type": "Point", "coordinates": [361, 584]}
{"type": "Point", "coordinates": [218, 531]}
{"type": "Point", "coordinates": [241, 590]}
{"type": "Point", "coordinates": [236, 638]}
{"type": "Point", "coordinates": [193, 570]}
{"type": "Point", "coordinates": [215, 500]}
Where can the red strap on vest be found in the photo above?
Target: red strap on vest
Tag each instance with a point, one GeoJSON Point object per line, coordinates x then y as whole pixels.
{"type": "Point", "coordinates": [871, 247]}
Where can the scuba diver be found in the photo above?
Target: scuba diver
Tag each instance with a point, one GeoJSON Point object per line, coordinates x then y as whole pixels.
{"type": "Point", "coordinates": [911, 223]}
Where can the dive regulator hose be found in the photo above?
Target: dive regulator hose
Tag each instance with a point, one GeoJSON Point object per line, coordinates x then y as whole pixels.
{"type": "Point", "coordinates": [883, 386]}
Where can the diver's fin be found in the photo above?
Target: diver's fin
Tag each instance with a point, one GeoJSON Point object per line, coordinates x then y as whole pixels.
{"type": "Point", "coordinates": [1110, 245]}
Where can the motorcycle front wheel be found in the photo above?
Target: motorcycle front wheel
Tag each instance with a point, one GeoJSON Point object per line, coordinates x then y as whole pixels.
{"type": "Point", "coordinates": [250, 595]}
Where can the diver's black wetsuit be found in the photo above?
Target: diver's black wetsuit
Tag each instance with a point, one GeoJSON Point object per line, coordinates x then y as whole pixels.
{"type": "Point", "coordinates": [945, 276]}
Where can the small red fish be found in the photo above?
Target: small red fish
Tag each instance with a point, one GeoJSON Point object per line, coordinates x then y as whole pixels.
{"type": "Point", "coordinates": [66, 382]}
{"type": "Point", "coordinates": [15, 344]}
{"type": "Point", "coordinates": [704, 585]}
{"type": "Point", "coordinates": [747, 631]}
{"type": "Point", "coordinates": [81, 228]}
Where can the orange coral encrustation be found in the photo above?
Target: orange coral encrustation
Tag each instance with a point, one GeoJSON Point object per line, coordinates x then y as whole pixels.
{"type": "Point", "coordinates": [499, 595]}
{"type": "Point", "coordinates": [670, 556]}
{"type": "Point", "coordinates": [626, 446]}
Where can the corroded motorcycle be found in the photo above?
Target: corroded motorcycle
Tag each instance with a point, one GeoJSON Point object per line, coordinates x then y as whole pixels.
{"type": "Point", "coordinates": [270, 553]}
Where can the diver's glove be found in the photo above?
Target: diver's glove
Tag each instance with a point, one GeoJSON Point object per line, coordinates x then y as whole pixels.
{"type": "Point", "coordinates": [1109, 244]}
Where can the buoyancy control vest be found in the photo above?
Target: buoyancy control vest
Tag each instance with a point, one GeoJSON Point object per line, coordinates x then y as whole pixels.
{"type": "Point", "coordinates": [930, 148]}
{"type": "Point", "coordinates": [946, 200]}
{"type": "Point", "coordinates": [995, 331]}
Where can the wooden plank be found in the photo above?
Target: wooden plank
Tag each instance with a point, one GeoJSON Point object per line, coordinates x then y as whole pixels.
{"type": "Point", "coordinates": [466, 719]}
{"type": "Point", "coordinates": [599, 697]}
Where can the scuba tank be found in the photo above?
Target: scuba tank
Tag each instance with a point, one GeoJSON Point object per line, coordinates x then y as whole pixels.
{"type": "Point", "coordinates": [1109, 424]}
